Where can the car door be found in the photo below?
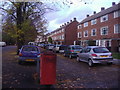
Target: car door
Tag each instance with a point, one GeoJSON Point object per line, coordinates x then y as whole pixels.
{"type": "Point", "coordinates": [68, 50]}
{"type": "Point", "coordinates": [81, 54]}
{"type": "Point", "coordinates": [86, 54]}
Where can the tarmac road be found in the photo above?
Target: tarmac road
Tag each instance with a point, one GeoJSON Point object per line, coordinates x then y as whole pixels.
{"type": "Point", "coordinates": [70, 73]}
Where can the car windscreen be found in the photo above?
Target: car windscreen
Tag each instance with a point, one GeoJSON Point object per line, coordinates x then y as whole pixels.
{"type": "Point", "coordinates": [30, 49]}
{"type": "Point", "coordinates": [101, 50]}
{"type": "Point", "coordinates": [76, 47]}
{"type": "Point", "coordinates": [63, 47]}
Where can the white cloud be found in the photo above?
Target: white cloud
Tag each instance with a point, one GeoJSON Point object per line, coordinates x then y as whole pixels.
{"type": "Point", "coordinates": [77, 9]}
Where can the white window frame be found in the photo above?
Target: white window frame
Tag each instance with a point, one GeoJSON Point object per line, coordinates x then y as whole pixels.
{"type": "Point", "coordinates": [62, 37]}
{"type": "Point", "coordinates": [85, 33]}
{"type": "Point", "coordinates": [85, 24]}
{"type": "Point", "coordinates": [117, 28]}
{"type": "Point", "coordinates": [79, 34]}
{"type": "Point", "coordinates": [80, 26]}
{"type": "Point", "coordinates": [62, 29]}
{"type": "Point", "coordinates": [94, 21]}
{"type": "Point", "coordinates": [102, 29]}
{"type": "Point", "coordinates": [92, 32]}
{"type": "Point", "coordinates": [104, 17]}
{"type": "Point", "coordinates": [117, 14]}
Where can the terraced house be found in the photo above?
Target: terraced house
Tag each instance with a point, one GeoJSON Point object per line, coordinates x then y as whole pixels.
{"type": "Point", "coordinates": [66, 34]}
{"type": "Point", "coordinates": [103, 28]}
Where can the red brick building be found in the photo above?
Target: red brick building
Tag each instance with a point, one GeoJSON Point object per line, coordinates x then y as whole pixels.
{"type": "Point", "coordinates": [66, 34]}
{"type": "Point", "coordinates": [103, 28]}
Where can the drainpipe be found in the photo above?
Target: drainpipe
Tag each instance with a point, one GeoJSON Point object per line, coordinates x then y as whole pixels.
{"type": "Point", "coordinates": [74, 42]}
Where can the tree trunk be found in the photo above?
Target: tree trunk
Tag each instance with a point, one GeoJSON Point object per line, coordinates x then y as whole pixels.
{"type": "Point", "coordinates": [20, 38]}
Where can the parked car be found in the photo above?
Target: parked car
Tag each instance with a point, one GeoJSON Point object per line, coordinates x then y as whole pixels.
{"type": "Point", "coordinates": [29, 53]}
{"type": "Point", "coordinates": [3, 44]}
{"type": "Point", "coordinates": [50, 46]}
{"type": "Point", "coordinates": [31, 43]}
{"type": "Point", "coordinates": [95, 54]}
{"type": "Point", "coordinates": [72, 50]}
{"type": "Point", "coordinates": [56, 48]}
{"type": "Point", "coordinates": [62, 48]}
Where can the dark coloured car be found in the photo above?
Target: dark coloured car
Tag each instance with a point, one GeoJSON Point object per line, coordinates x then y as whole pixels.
{"type": "Point", "coordinates": [62, 48]}
{"type": "Point", "coordinates": [72, 50]}
{"type": "Point", "coordinates": [29, 53]}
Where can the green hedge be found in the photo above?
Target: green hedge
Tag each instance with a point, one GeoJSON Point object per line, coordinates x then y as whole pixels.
{"type": "Point", "coordinates": [116, 55]}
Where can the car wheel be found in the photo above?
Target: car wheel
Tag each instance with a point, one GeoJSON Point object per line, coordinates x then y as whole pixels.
{"type": "Point", "coordinates": [70, 56]}
{"type": "Point", "coordinates": [90, 63]}
{"type": "Point", "coordinates": [110, 63]}
{"type": "Point", "coordinates": [78, 59]}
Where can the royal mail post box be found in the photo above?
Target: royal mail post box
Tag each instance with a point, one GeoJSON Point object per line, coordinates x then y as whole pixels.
{"type": "Point", "coordinates": [48, 68]}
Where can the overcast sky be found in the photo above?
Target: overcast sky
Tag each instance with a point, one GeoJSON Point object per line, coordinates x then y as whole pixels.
{"type": "Point", "coordinates": [77, 9]}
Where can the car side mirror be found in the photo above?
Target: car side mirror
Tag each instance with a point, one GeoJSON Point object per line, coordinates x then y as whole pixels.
{"type": "Point", "coordinates": [80, 51]}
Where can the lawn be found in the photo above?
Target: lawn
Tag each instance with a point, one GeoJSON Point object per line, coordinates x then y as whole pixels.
{"type": "Point", "coordinates": [116, 55]}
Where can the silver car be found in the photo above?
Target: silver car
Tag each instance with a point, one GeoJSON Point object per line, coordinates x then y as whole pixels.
{"type": "Point", "coordinates": [95, 54]}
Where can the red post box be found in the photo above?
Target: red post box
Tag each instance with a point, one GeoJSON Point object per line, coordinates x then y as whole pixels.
{"type": "Point", "coordinates": [48, 68]}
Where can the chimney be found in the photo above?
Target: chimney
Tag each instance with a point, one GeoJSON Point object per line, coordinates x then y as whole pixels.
{"type": "Point", "coordinates": [94, 12]}
{"type": "Point", "coordinates": [113, 3]}
{"type": "Point", "coordinates": [67, 22]}
{"type": "Point", "coordinates": [102, 8]}
{"type": "Point", "coordinates": [87, 15]}
{"type": "Point", "coordinates": [75, 19]}
{"type": "Point", "coordinates": [70, 20]}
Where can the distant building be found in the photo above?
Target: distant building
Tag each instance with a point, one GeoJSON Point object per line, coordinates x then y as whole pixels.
{"type": "Point", "coordinates": [66, 34]}
{"type": "Point", "coordinates": [41, 39]}
{"type": "Point", "coordinates": [103, 28]}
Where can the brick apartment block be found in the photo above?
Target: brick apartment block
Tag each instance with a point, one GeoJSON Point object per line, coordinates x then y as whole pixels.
{"type": "Point", "coordinates": [103, 28]}
{"type": "Point", "coordinates": [66, 34]}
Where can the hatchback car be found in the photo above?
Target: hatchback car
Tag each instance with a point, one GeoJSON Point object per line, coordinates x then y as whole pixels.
{"type": "Point", "coordinates": [29, 53]}
{"type": "Point", "coordinates": [62, 48]}
{"type": "Point", "coordinates": [72, 50]}
{"type": "Point", "coordinates": [95, 54]}
{"type": "Point", "coordinates": [50, 46]}
{"type": "Point", "coordinates": [56, 48]}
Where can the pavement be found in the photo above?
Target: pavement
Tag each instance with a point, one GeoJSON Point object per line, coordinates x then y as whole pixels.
{"type": "Point", "coordinates": [116, 61]}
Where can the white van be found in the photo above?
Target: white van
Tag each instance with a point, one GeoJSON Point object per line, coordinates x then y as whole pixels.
{"type": "Point", "coordinates": [2, 44]}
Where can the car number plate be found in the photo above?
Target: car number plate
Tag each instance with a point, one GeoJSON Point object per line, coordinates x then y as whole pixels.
{"type": "Point", "coordinates": [30, 60]}
{"type": "Point", "coordinates": [104, 56]}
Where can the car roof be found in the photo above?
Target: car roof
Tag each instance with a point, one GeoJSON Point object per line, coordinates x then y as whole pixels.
{"type": "Point", "coordinates": [29, 46]}
{"type": "Point", "coordinates": [74, 45]}
{"type": "Point", "coordinates": [93, 46]}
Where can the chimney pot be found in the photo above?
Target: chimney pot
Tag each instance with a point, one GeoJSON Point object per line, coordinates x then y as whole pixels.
{"type": "Point", "coordinates": [87, 15]}
{"type": "Point", "coordinates": [67, 22]}
{"type": "Point", "coordinates": [94, 12]}
{"type": "Point", "coordinates": [70, 20]}
{"type": "Point", "coordinates": [113, 3]}
{"type": "Point", "coordinates": [102, 8]}
{"type": "Point", "coordinates": [74, 19]}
